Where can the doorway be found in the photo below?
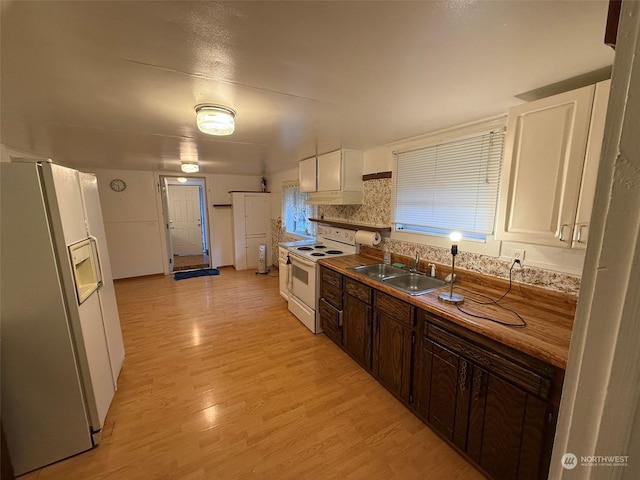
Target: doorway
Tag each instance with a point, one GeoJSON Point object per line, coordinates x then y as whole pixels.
{"type": "Point", "coordinates": [185, 216]}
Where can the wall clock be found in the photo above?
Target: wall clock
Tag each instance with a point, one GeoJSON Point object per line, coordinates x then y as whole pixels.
{"type": "Point", "coordinates": [117, 185]}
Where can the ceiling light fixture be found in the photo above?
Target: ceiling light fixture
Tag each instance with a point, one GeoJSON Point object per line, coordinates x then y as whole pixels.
{"type": "Point", "coordinates": [190, 167]}
{"type": "Point", "coordinates": [215, 119]}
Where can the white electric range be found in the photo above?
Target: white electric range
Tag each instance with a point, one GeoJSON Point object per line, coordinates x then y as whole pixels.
{"type": "Point", "coordinates": [303, 274]}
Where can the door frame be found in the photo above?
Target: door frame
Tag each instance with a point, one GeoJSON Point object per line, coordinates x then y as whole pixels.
{"type": "Point", "coordinates": [165, 181]}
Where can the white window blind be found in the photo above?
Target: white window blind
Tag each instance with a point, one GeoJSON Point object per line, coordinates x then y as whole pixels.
{"type": "Point", "coordinates": [450, 186]}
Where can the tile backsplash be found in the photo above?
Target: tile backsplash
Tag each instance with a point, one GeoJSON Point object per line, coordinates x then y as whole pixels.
{"type": "Point", "coordinates": [376, 210]}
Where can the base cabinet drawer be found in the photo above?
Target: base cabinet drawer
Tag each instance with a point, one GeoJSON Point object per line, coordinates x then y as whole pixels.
{"type": "Point", "coordinates": [331, 321]}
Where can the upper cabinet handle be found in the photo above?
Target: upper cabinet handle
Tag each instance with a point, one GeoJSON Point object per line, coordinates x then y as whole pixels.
{"type": "Point", "coordinates": [560, 233]}
{"type": "Point", "coordinates": [579, 233]}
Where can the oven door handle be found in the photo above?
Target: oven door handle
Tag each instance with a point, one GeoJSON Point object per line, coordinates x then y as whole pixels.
{"type": "Point", "coordinates": [297, 259]}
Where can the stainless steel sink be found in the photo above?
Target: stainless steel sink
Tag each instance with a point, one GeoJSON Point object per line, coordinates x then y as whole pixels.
{"type": "Point", "coordinates": [379, 271]}
{"type": "Point", "coordinates": [414, 283]}
{"type": "Point", "coordinates": [408, 282]}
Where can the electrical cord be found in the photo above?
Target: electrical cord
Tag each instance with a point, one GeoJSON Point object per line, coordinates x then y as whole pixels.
{"type": "Point", "coordinates": [496, 303]}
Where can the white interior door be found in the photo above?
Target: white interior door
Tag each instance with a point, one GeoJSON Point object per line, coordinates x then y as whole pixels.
{"type": "Point", "coordinates": [185, 219]}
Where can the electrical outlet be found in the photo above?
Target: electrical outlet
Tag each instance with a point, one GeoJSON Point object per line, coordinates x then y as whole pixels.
{"type": "Point", "coordinates": [518, 254]}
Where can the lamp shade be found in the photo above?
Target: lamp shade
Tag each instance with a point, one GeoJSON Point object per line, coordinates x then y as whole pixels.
{"type": "Point", "coordinates": [190, 167]}
{"type": "Point", "coordinates": [215, 119]}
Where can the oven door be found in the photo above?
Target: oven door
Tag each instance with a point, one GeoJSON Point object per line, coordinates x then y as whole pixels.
{"type": "Point", "coordinates": [303, 280]}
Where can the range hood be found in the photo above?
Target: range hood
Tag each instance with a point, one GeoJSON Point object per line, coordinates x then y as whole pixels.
{"type": "Point", "coordinates": [335, 198]}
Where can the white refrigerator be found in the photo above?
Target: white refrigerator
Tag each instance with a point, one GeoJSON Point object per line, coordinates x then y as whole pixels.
{"type": "Point", "coordinates": [61, 342]}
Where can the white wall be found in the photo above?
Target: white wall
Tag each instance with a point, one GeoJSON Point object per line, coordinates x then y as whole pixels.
{"type": "Point", "coordinates": [134, 219]}
{"type": "Point", "coordinates": [132, 222]}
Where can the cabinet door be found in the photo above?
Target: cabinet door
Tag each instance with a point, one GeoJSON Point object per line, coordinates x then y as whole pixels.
{"type": "Point", "coordinates": [356, 328]}
{"type": "Point", "coordinates": [257, 214]}
{"type": "Point", "coordinates": [330, 172]}
{"type": "Point", "coordinates": [441, 391]}
{"type": "Point", "coordinates": [591, 164]}
{"type": "Point", "coordinates": [307, 175]}
{"type": "Point", "coordinates": [543, 161]}
{"type": "Point", "coordinates": [506, 429]}
{"type": "Point", "coordinates": [392, 354]}
{"type": "Point", "coordinates": [252, 255]}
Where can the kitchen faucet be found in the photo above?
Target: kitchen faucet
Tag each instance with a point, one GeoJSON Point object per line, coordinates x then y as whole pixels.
{"type": "Point", "coordinates": [416, 262]}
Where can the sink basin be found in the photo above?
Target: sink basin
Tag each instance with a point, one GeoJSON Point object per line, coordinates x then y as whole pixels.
{"type": "Point", "coordinates": [414, 283]}
{"type": "Point", "coordinates": [379, 271]}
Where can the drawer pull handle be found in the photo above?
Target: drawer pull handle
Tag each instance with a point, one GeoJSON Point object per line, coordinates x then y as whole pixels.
{"type": "Point", "coordinates": [463, 375]}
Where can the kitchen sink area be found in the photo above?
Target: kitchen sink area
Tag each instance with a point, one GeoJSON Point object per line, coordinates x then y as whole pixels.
{"type": "Point", "coordinates": [413, 283]}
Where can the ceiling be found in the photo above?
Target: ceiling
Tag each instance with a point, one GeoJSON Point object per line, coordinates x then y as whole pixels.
{"type": "Point", "coordinates": [106, 84]}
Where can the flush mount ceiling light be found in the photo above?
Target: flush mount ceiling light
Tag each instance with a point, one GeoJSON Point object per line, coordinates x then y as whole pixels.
{"type": "Point", "coordinates": [215, 119]}
{"type": "Point", "coordinates": [190, 167]}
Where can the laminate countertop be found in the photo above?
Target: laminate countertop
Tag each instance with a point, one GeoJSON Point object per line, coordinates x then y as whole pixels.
{"type": "Point", "coordinates": [548, 315]}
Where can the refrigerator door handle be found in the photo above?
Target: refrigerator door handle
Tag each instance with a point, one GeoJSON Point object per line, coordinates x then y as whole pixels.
{"type": "Point", "coordinates": [96, 255]}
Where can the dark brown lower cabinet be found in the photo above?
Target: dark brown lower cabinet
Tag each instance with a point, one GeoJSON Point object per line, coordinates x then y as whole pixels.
{"type": "Point", "coordinates": [442, 382]}
{"type": "Point", "coordinates": [495, 404]}
{"type": "Point", "coordinates": [392, 354]}
{"type": "Point", "coordinates": [506, 428]}
{"type": "Point", "coordinates": [494, 410]}
{"type": "Point", "coordinates": [356, 330]}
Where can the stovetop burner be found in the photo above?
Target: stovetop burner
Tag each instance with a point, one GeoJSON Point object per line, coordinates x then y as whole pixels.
{"type": "Point", "coordinates": [304, 248]}
{"type": "Point", "coordinates": [319, 246]}
{"type": "Point", "coordinates": [317, 254]}
{"type": "Point", "coordinates": [335, 252]}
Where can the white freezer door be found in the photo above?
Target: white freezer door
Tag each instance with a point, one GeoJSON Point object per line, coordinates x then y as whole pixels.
{"type": "Point", "coordinates": [106, 293]}
{"type": "Point", "coordinates": [64, 184]}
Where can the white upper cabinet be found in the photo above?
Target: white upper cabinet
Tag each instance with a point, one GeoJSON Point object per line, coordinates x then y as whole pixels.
{"type": "Point", "coordinates": [545, 198]}
{"type": "Point", "coordinates": [330, 171]}
{"type": "Point", "coordinates": [334, 178]}
{"type": "Point", "coordinates": [307, 175]}
{"type": "Point", "coordinates": [591, 163]}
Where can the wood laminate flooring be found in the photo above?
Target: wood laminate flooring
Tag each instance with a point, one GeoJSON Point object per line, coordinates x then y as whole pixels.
{"type": "Point", "coordinates": [220, 381]}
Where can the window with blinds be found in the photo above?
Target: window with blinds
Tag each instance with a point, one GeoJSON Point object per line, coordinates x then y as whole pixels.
{"type": "Point", "coordinates": [295, 213]}
{"type": "Point", "coordinates": [450, 186]}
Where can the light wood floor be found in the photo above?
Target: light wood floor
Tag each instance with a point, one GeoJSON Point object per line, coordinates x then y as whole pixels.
{"type": "Point", "coordinates": [220, 381]}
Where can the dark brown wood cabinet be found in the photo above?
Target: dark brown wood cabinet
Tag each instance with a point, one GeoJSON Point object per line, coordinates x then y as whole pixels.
{"type": "Point", "coordinates": [393, 338]}
{"type": "Point", "coordinates": [441, 391]}
{"type": "Point", "coordinates": [330, 304]}
{"type": "Point", "coordinates": [357, 321]}
{"type": "Point", "coordinates": [498, 407]}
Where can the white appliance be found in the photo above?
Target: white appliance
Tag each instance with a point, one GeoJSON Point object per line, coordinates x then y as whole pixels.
{"type": "Point", "coordinates": [262, 258]}
{"type": "Point", "coordinates": [304, 274]}
{"type": "Point", "coordinates": [62, 346]}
